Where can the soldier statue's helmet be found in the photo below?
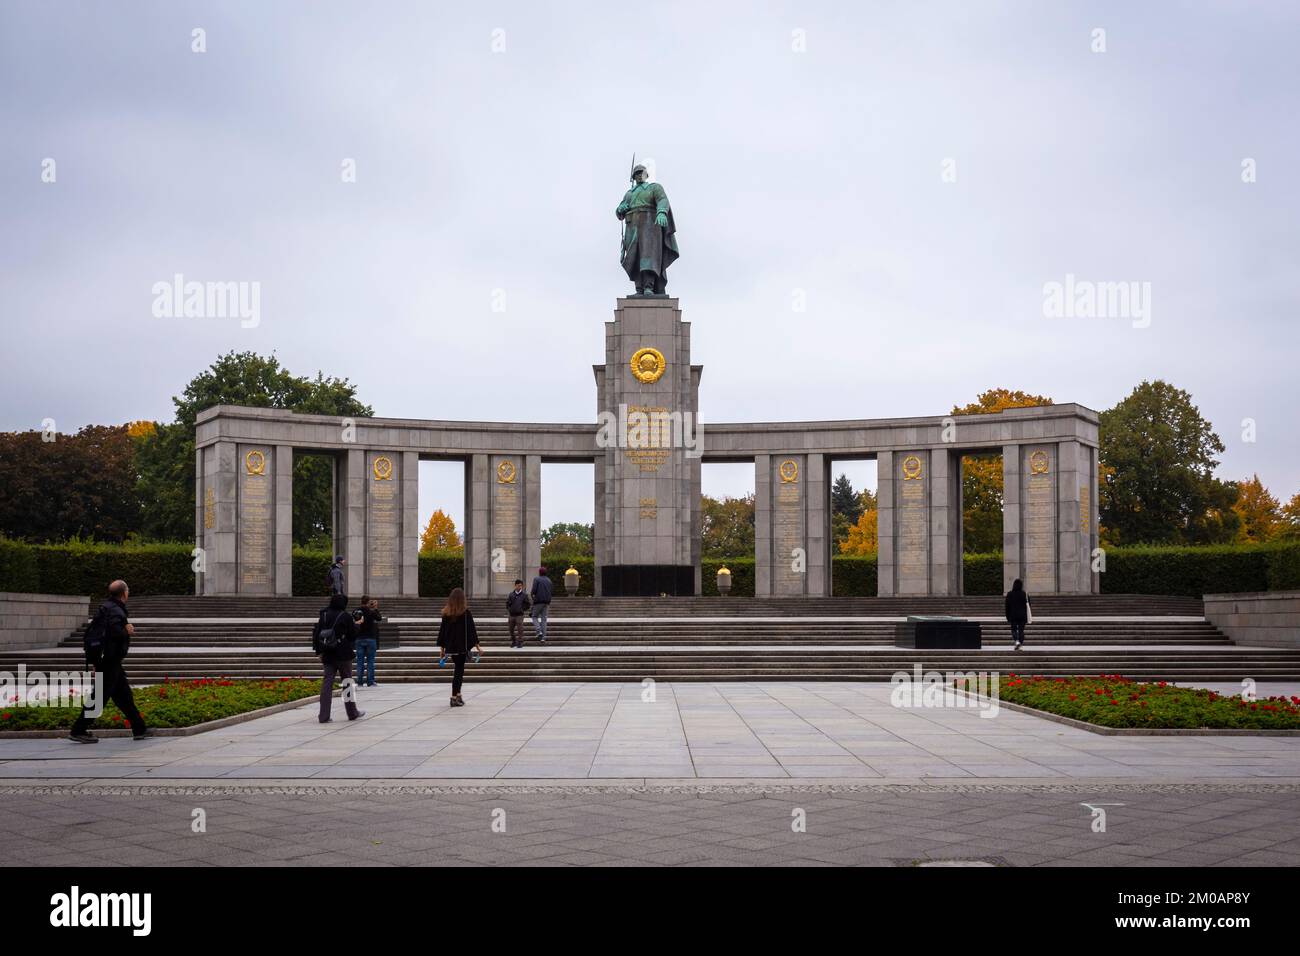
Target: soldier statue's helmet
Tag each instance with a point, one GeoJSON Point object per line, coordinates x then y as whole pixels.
{"type": "Point", "coordinates": [638, 168]}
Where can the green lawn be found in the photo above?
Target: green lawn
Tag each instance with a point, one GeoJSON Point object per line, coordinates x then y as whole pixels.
{"type": "Point", "coordinates": [174, 703]}
{"type": "Point", "coordinates": [1114, 701]}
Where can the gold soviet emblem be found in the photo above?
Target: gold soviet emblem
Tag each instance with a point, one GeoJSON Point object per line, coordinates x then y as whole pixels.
{"type": "Point", "coordinates": [506, 472]}
{"type": "Point", "coordinates": [383, 468]}
{"type": "Point", "coordinates": [911, 468]}
{"type": "Point", "coordinates": [789, 470]}
{"type": "Point", "coordinates": [1038, 463]}
{"type": "Point", "coordinates": [648, 365]}
{"type": "Point", "coordinates": [255, 462]}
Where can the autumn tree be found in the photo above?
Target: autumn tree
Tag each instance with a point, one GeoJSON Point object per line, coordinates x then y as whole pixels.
{"type": "Point", "coordinates": [439, 534]}
{"type": "Point", "coordinates": [1289, 527]}
{"type": "Point", "coordinates": [1260, 513]}
{"type": "Point", "coordinates": [862, 536]}
{"type": "Point", "coordinates": [727, 527]}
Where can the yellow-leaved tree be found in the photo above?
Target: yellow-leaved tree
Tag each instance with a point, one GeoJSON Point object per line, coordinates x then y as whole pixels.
{"type": "Point", "coordinates": [862, 535]}
{"type": "Point", "coordinates": [1260, 512]}
{"type": "Point", "coordinates": [439, 534]}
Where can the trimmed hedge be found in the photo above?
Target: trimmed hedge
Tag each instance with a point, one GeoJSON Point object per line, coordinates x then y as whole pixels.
{"type": "Point", "coordinates": [86, 568]}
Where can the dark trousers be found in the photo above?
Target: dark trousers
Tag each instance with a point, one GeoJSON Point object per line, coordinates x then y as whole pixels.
{"type": "Point", "coordinates": [516, 630]}
{"type": "Point", "coordinates": [117, 689]}
{"type": "Point", "coordinates": [344, 670]}
{"type": "Point", "coordinates": [1017, 633]}
{"type": "Point", "coordinates": [458, 675]}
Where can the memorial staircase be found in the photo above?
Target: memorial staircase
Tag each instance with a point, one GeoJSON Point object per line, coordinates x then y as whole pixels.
{"type": "Point", "coordinates": [695, 639]}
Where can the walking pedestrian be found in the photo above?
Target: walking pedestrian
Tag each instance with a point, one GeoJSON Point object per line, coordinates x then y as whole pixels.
{"type": "Point", "coordinates": [541, 597]}
{"type": "Point", "coordinates": [106, 644]}
{"type": "Point", "coordinates": [516, 605]}
{"type": "Point", "coordinates": [1018, 612]}
{"type": "Point", "coordinates": [457, 636]}
{"type": "Point", "coordinates": [335, 576]}
{"type": "Point", "coordinates": [334, 640]}
{"type": "Point", "coordinates": [368, 620]}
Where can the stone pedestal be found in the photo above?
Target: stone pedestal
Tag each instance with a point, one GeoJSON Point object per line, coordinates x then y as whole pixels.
{"type": "Point", "coordinates": [647, 531]}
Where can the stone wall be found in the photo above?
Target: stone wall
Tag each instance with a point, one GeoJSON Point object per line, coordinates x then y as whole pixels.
{"type": "Point", "coordinates": [1270, 619]}
{"type": "Point", "coordinates": [39, 620]}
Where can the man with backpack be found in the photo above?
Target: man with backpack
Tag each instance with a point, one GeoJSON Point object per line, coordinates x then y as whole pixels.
{"type": "Point", "coordinates": [106, 643]}
{"type": "Point", "coordinates": [334, 640]}
{"type": "Point", "coordinates": [541, 595]}
{"type": "Point", "coordinates": [335, 577]}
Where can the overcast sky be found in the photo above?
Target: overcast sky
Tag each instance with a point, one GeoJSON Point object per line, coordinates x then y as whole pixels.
{"type": "Point", "coordinates": [803, 147]}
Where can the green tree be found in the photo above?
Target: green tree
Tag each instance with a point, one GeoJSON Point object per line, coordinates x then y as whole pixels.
{"type": "Point", "coordinates": [1159, 483]}
{"type": "Point", "coordinates": [727, 527]}
{"type": "Point", "coordinates": [844, 500]}
{"type": "Point", "coordinates": [242, 378]}
{"type": "Point", "coordinates": [575, 537]}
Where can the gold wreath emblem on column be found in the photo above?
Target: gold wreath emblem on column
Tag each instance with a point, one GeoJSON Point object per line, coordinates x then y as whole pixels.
{"type": "Point", "coordinates": [911, 468]}
{"type": "Point", "coordinates": [506, 472]}
{"type": "Point", "coordinates": [789, 470]}
{"type": "Point", "coordinates": [383, 468]}
{"type": "Point", "coordinates": [1038, 462]}
{"type": "Point", "coordinates": [648, 365]}
{"type": "Point", "coordinates": [255, 462]}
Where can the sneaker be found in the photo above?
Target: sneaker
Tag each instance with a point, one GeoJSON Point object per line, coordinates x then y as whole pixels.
{"type": "Point", "coordinates": [84, 738]}
{"type": "Point", "coordinates": [143, 734]}
{"type": "Point", "coordinates": [1017, 646]}
{"type": "Point", "coordinates": [360, 714]}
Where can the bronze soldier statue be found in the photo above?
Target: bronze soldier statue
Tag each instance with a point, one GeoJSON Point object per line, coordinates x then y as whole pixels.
{"type": "Point", "coordinates": [649, 234]}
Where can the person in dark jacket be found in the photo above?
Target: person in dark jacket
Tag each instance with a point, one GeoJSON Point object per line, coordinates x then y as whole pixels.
{"type": "Point", "coordinates": [457, 636]}
{"type": "Point", "coordinates": [108, 640]}
{"type": "Point", "coordinates": [1017, 612]}
{"type": "Point", "coordinates": [335, 576]}
{"type": "Point", "coordinates": [541, 595]}
{"type": "Point", "coordinates": [516, 607]}
{"type": "Point", "coordinates": [368, 619]}
{"type": "Point", "coordinates": [339, 660]}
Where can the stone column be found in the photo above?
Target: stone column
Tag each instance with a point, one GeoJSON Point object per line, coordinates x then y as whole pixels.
{"type": "Point", "coordinates": [885, 524]}
{"type": "Point", "coordinates": [818, 524]}
{"type": "Point", "coordinates": [1036, 560]}
{"type": "Point", "coordinates": [763, 526]}
{"type": "Point", "coordinates": [532, 542]}
{"type": "Point", "coordinates": [351, 529]}
{"type": "Point", "coordinates": [507, 495]}
{"type": "Point", "coordinates": [1011, 545]}
{"type": "Point", "coordinates": [384, 525]}
{"type": "Point", "coordinates": [477, 529]}
{"type": "Point", "coordinates": [410, 524]}
{"type": "Point", "coordinates": [199, 512]}
{"type": "Point", "coordinates": [789, 521]}
{"type": "Point", "coordinates": [1076, 475]}
{"type": "Point", "coordinates": [945, 522]}
{"type": "Point", "coordinates": [912, 524]}
{"type": "Point", "coordinates": [284, 520]}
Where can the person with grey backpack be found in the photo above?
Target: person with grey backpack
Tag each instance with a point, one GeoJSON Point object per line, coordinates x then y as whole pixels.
{"type": "Point", "coordinates": [333, 639]}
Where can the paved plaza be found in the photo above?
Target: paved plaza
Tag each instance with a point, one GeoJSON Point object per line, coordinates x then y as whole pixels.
{"type": "Point", "coordinates": [702, 774]}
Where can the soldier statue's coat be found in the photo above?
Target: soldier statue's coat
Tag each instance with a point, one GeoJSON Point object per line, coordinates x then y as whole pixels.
{"type": "Point", "coordinates": [647, 247]}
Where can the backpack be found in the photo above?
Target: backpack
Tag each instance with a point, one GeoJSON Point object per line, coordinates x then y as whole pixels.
{"type": "Point", "coordinates": [96, 632]}
{"type": "Point", "coordinates": [327, 640]}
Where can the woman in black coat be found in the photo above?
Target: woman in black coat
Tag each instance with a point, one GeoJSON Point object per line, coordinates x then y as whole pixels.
{"type": "Point", "coordinates": [457, 636]}
{"type": "Point", "coordinates": [1017, 612]}
{"type": "Point", "coordinates": [339, 659]}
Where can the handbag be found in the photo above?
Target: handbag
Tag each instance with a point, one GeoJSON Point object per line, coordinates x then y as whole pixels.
{"type": "Point", "coordinates": [1029, 612]}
